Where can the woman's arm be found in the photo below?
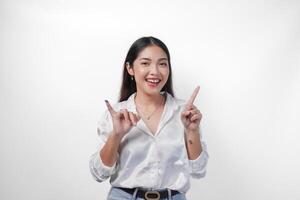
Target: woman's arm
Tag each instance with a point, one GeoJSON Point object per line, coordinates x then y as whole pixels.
{"type": "Point", "coordinates": [193, 143]}
{"type": "Point", "coordinates": [109, 152]}
{"type": "Point", "coordinates": [123, 121]}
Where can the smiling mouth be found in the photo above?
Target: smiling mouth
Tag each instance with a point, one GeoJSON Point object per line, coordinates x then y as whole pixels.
{"type": "Point", "coordinates": [153, 80]}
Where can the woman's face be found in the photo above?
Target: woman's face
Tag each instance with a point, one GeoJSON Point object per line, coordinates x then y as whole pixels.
{"type": "Point", "coordinates": [150, 70]}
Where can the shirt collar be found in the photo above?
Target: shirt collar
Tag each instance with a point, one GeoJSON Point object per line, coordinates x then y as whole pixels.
{"type": "Point", "coordinates": [171, 103]}
{"type": "Point", "coordinates": [171, 106]}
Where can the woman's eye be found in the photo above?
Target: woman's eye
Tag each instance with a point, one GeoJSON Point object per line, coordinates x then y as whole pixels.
{"type": "Point", "coordinates": [163, 64]}
{"type": "Point", "coordinates": [144, 63]}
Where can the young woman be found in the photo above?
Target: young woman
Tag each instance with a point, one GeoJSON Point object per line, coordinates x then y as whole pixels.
{"type": "Point", "coordinates": [150, 142]}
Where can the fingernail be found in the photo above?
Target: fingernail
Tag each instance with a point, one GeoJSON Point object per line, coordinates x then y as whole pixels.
{"type": "Point", "coordinates": [106, 101]}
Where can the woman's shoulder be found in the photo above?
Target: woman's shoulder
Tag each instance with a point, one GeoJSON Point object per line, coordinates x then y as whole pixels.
{"type": "Point", "coordinates": [180, 102]}
{"type": "Point", "coordinates": [177, 101]}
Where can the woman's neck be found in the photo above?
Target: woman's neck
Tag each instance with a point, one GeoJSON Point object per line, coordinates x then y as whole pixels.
{"type": "Point", "coordinates": [149, 101]}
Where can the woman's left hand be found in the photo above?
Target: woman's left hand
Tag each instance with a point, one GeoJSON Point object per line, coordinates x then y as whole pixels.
{"type": "Point", "coordinates": [191, 116]}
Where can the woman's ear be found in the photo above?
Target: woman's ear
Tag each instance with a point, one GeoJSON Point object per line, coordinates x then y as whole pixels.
{"type": "Point", "coordinates": [129, 69]}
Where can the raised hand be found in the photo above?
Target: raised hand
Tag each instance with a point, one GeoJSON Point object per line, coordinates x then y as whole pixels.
{"type": "Point", "coordinates": [191, 116]}
{"type": "Point", "coordinates": [123, 120]}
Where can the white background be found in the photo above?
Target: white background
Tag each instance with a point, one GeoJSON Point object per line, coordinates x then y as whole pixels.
{"type": "Point", "coordinates": [60, 59]}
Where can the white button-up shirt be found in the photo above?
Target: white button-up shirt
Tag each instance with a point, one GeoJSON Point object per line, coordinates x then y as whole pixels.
{"type": "Point", "coordinates": [150, 161]}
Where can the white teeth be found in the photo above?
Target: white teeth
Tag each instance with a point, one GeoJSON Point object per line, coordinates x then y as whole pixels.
{"type": "Point", "coordinates": [152, 80]}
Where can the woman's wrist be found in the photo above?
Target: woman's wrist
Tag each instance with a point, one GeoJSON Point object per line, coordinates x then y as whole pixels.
{"type": "Point", "coordinates": [192, 131]}
{"type": "Point", "coordinates": [117, 137]}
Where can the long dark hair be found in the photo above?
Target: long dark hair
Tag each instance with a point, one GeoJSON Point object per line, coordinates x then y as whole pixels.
{"type": "Point", "coordinates": [129, 86]}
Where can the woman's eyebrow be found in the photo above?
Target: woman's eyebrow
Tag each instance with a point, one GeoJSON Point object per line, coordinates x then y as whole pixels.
{"type": "Point", "coordinates": [160, 59]}
{"type": "Point", "coordinates": [145, 59]}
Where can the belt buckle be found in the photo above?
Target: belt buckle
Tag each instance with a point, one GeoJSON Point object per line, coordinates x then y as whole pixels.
{"type": "Point", "coordinates": [152, 195]}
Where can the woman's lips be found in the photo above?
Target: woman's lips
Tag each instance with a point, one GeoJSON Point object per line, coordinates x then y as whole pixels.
{"type": "Point", "coordinates": [153, 82]}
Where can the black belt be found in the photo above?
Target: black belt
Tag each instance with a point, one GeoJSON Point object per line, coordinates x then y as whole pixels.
{"type": "Point", "coordinates": [149, 194]}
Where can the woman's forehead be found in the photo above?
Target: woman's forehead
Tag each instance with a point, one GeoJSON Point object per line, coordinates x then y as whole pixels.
{"type": "Point", "coordinates": [152, 52]}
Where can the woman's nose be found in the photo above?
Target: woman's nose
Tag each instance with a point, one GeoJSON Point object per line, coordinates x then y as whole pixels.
{"type": "Point", "coordinates": [154, 69]}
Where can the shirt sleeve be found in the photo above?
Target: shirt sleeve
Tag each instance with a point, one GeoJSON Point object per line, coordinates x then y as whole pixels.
{"type": "Point", "coordinates": [99, 171]}
{"type": "Point", "coordinates": [198, 166]}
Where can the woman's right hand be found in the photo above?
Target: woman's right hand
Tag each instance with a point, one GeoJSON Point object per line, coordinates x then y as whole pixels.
{"type": "Point", "coordinates": [123, 120]}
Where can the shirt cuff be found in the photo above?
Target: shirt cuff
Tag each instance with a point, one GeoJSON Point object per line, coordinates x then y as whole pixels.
{"type": "Point", "coordinates": [198, 166]}
{"type": "Point", "coordinates": [99, 170]}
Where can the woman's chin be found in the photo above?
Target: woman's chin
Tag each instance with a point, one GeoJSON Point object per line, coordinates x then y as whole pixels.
{"type": "Point", "coordinates": [152, 92]}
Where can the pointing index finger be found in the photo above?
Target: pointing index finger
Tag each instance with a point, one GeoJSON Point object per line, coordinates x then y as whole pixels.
{"type": "Point", "coordinates": [193, 97]}
{"type": "Point", "coordinates": [110, 108]}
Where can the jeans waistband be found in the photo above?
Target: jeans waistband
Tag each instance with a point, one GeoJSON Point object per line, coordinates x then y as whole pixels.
{"type": "Point", "coordinates": [150, 194]}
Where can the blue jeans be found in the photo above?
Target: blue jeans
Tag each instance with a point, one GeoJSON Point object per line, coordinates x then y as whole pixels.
{"type": "Point", "coordinates": [118, 194]}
